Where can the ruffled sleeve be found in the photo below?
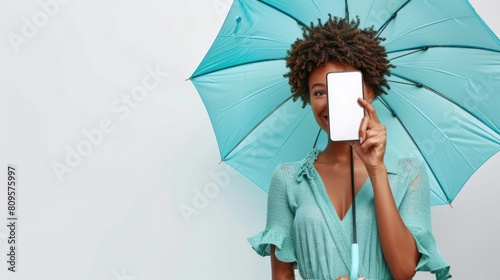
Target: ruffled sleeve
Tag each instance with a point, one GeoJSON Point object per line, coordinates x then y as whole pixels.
{"type": "Point", "coordinates": [431, 260]}
{"type": "Point", "coordinates": [279, 223]}
{"type": "Point", "coordinates": [415, 211]}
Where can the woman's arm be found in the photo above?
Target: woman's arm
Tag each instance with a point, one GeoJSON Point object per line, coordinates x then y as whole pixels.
{"type": "Point", "coordinates": [397, 242]}
{"type": "Point", "coordinates": [281, 270]}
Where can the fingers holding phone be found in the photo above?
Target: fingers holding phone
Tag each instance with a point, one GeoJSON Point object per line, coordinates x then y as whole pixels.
{"type": "Point", "coordinates": [372, 136]}
{"type": "Point", "coordinates": [353, 119]}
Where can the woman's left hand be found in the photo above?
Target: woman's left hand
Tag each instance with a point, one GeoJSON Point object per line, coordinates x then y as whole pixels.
{"type": "Point", "coordinates": [373, 137]}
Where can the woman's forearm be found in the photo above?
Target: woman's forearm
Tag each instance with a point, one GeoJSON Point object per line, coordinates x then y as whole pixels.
{"type": "Point", "coordinates": [398, 244]}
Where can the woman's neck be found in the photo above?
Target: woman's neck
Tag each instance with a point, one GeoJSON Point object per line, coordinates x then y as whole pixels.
{"type": "Point", "coordinates": [337, 153]}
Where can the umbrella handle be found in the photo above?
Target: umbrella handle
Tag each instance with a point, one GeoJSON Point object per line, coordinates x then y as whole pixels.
{"type": "Point", "coordinates": [354, 261]}
{"type": "Point", "coordinates": [354, 246]}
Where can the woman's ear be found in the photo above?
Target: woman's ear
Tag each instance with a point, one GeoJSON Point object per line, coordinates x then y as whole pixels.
{"type": "Point", "coordinates": [368, 93]}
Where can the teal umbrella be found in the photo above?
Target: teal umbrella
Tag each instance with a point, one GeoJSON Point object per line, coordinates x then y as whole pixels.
{"type": "Point", "coordinates": [443, 105]}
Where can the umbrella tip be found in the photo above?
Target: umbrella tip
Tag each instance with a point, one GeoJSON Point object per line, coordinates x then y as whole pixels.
{"type": "Point", "coordinates": [188, 79]}
{"type": "Point", "coordinates": [451, 205]}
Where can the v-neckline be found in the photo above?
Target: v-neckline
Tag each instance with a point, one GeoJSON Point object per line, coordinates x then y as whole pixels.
{"type": "Point", "coordinates": [340, 230]}
{"type": "Point", "coordinates": [329, 200]}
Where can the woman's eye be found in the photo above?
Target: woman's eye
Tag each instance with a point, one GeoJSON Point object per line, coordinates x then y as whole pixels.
{"type": "Point", "coordinates": [319, 93]}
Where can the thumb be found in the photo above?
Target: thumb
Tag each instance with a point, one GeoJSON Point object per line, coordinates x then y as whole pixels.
{"type": "Point", "coordinates": [356, 146]}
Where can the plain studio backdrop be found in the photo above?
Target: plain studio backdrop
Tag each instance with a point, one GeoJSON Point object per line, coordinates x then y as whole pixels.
{"type": "Point", "coordinates": [110, 143]}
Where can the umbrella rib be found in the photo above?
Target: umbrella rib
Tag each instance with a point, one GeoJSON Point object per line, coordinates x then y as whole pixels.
{"type": "Point", "coordinates": [257, 125]}
{"type": "Point", "coordinates": [232, 66]}
{"type": "Point", "coordinates": [346, 10]}
{"type": "Point", "coordinates": [286, 139]}
{"type": "Point", "coordinates": [424, 48]}
{"type": "Point", "coordinates": [285, 13]}
{"type": "Point", "coordinates": [317, 138]}
{"type": "Point", "coordinates": [415, 51]}
{"type": "Point", "coordinates": [447, 99]}
{"type": "Point", "coordinates": [391, 18]}
{"type": "Point", "coordinates": [402, 83]}
{"type": "Point", "coordinates": [442, 96]}
{"type": "Point", "coordinates": [382, 100]}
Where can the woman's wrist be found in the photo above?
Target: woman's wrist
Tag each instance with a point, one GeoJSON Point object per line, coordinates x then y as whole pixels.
{"type": "Point", "coordinates": [377, 171]}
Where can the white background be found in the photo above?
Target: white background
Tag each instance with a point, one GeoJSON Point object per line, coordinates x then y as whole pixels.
{"type": "Point", "coordinates": [116, 214]}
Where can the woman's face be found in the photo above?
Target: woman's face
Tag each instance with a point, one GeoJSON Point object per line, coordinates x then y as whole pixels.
{"type": "Point", "coordinates": [318, 94]}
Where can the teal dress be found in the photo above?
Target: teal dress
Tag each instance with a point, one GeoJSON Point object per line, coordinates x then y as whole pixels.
{"type": "Point", "coordinates": [306, 230]}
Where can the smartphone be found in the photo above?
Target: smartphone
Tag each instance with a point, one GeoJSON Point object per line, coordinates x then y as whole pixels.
{"type": "Point", "coordinates": [344, 112]}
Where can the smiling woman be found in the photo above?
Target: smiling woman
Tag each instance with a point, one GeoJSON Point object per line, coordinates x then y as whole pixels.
{"type": "Point", "coordinates": [307, 223]}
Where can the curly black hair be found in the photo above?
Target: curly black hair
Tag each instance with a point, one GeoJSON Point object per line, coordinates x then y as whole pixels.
{"type": "Point", "coordinates": [340, 41]}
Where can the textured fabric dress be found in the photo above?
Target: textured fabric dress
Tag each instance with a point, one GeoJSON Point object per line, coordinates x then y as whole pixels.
{"type": "Point", "coordinates": [303, 225]}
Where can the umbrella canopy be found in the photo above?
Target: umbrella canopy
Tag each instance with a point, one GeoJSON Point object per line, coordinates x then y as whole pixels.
{"type": "Point", "coordinates": [443, 105]}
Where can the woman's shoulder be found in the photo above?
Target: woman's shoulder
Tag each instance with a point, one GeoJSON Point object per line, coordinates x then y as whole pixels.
{"type": "Point", "coordinates": [287, 170]}
{"type": "Point", "coordinates": [403, 165]}
{"type": "Point", "coordinates": [407, 174]}
{"type": "Point", "coordinates": [297, 169]}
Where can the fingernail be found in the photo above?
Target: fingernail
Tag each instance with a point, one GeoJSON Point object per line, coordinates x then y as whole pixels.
{"type": "Point", "coordinates": [360, 140]}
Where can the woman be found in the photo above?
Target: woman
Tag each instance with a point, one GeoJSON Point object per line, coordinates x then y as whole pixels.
{"type": "Point", "coordinates": [308, 223]}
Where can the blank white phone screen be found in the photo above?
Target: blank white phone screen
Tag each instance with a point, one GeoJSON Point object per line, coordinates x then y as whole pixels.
{"type": "Point", "coordinates": [344, 111]}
